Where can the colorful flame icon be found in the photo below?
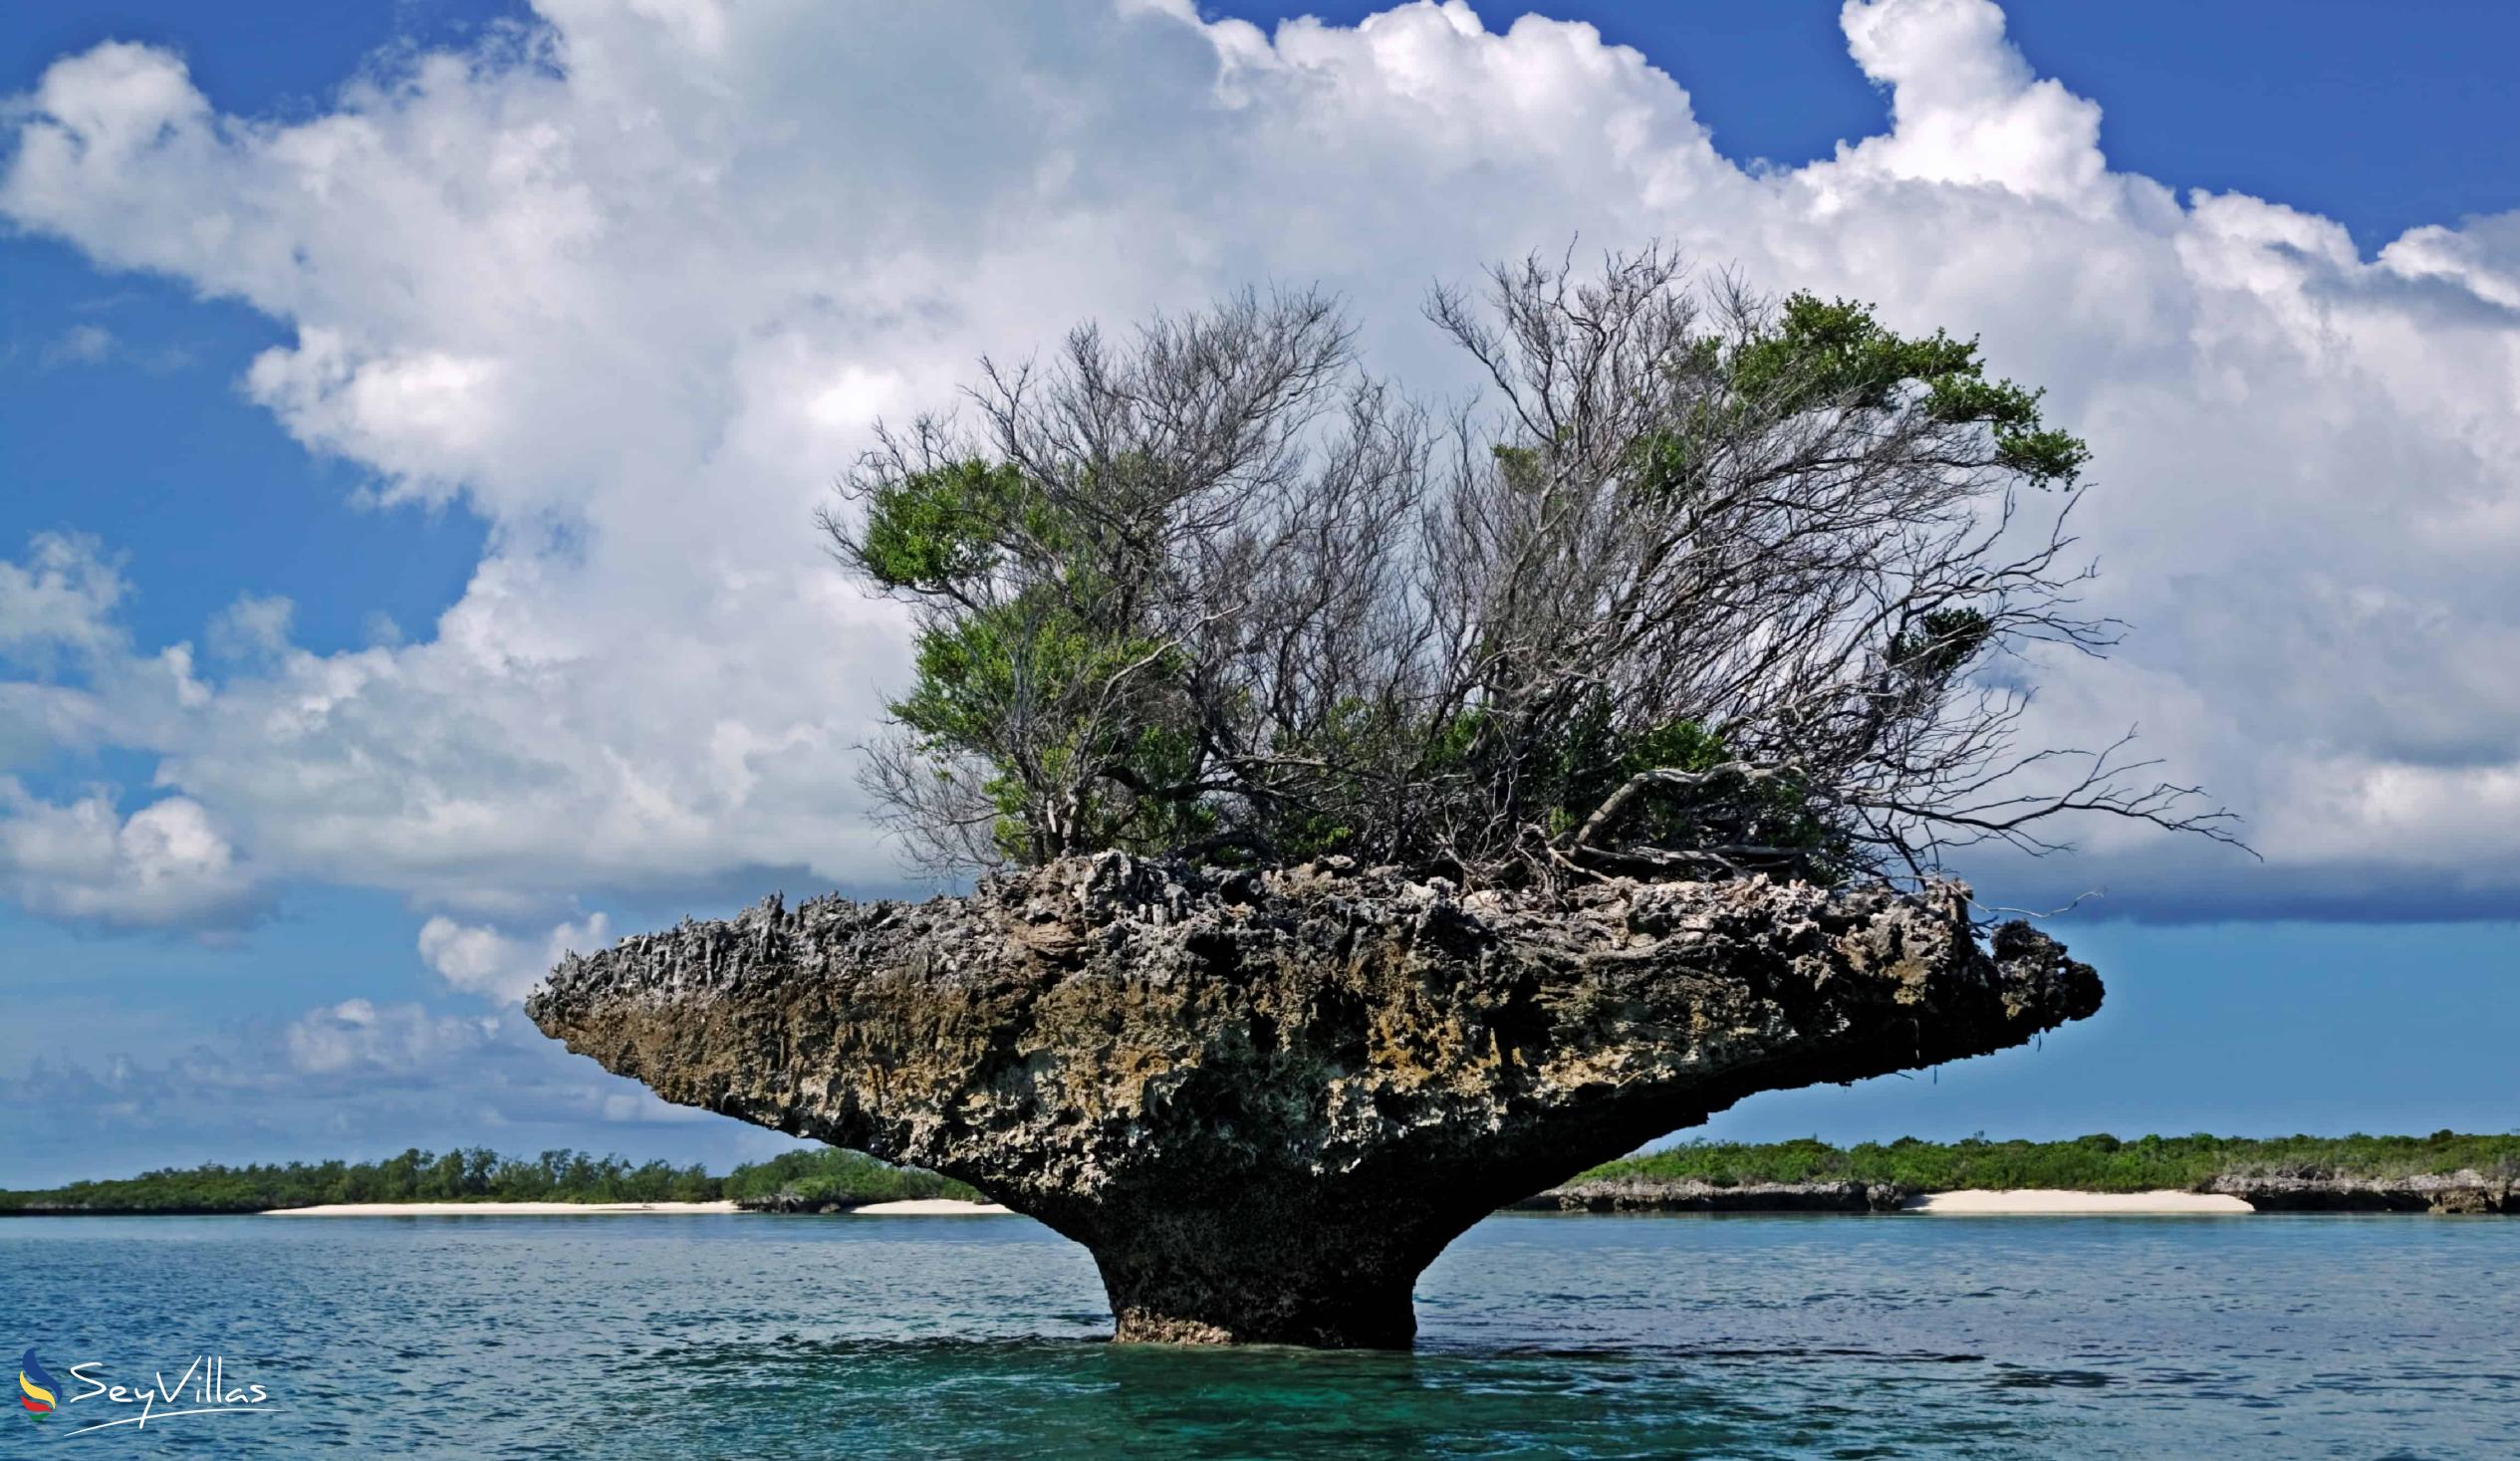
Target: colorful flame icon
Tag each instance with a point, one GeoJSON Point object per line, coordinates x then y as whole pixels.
{"type": "Point", "coordinates": [35, 1385]}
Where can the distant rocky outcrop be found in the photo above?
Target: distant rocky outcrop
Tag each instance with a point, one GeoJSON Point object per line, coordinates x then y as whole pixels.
{"type": "Point", "coordinates": [1689, 1194]}
{"type": "Point", "coordinates": [2460, 1192]}
{"type": "Point", "coordinates": [1266, 1100]}
{"type": "Point", "coordinates": [791, 1202]}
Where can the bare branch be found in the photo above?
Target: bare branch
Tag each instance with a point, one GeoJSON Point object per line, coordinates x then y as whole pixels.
{"type": "Point", "coordinates": [1711, 583]}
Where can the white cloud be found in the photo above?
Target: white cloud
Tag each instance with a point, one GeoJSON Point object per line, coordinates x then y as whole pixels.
{"type": "Point", "coordinates": [635, 282]}
{"type": "Point", "coordinates": [644, 1107]}
{"type": "Point", "coordinates": [80, 345]}
{"type": "Point", "coordinates": [94, 345]}
{"type": "Point", "coordinates": [485, 961]}
{"type": "Point", "coordinates": [255, 626]}
{"type": "Point", "coordinates": [1966, 108]}
{"type": "Point", "coordinates": [358, 1036]}
{"type": "Point", "coordinates": [88, 687]}
{"type": "Point", "coordinates": [61, 598]}
{"type": "Point", "coordinates": [166, 864]}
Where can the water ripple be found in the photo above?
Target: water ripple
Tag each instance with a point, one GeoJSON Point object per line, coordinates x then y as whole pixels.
{"type": "Point", "coordinates": [708, 1338]}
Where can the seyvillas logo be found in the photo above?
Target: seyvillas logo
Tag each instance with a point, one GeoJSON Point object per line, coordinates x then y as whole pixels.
{"type": "Point", "coordinates": [203, 1387]}
{"type": "Point", "coordinates": [36, 1389]}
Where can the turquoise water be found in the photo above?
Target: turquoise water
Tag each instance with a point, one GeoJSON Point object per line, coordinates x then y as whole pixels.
{"type": "Point", "coordinates": [1768, 1337]}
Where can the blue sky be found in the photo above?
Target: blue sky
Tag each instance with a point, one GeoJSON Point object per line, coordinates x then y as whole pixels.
{"type": "Point", "coordinates": [422, 348]}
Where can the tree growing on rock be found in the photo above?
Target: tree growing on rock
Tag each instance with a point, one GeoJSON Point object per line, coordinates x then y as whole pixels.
{"type": "Point", "coordinates": [1707, 583]}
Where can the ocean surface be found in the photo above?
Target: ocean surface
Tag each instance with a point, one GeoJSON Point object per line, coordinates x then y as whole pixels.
{"type": "Point", "coordinates": [689, 1337]}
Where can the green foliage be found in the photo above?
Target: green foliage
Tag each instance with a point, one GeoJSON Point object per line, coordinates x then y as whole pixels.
{"type": "Point", "coordinates": [1832, 351]}
{"type": "Point", "coordinates": [996, 661]}
{"type": "Point", "coordinates": [1596, 757]}
{"type": "Point", "coordinates": [1939, 647]}
{"type": "Point", "coordinates": [846, 1178]}
{"type": "Point", "coordinates": [1351, 734]}
{"type": "Point", "coordinates": [1820, 352]}
{"type": "Point", "coordinates": [465, 1175]}
{"type": "Point", "coordinates": [2098, 1164]}
{"type": "Point", "coordinates": [1054, 682]}
{"type": "Point", "coordinates": [1926, 658]}
{"type": "Point", "coordinates": [1027, 660]}
{"type": "Point", "coordinates": [1147, 637]}
{"type": "Point", "coordinates": [939, 528]}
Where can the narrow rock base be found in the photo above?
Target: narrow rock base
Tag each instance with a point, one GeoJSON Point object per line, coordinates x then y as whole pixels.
{"type": "Point", "coordinates": [1206, 1307]}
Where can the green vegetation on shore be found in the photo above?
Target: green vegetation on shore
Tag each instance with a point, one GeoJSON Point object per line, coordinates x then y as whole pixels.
{"type": "Point", "coordinates": [829, 1175]}
{"type": "Point", "coordinates": [2085, 1165]}
{"type": "Point", "coordinates": [826, 1176]}
{"type": "Point", "coordinates": [478, 1174]}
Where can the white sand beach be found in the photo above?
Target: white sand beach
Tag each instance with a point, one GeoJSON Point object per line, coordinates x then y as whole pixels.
{"type": "Point", "coordinates": [929, 1207]}
{"type": "Point", "coordinates": [492, 1209]}
{"type": "Point", "coordinates": [2031, 1202]}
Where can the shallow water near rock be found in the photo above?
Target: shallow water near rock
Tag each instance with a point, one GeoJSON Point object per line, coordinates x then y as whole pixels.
{"type": "Point", "coordinates": [1541, 1336]}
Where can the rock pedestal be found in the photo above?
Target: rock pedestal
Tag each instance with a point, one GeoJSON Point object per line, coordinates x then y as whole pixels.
{"type": "Point", "coordinates": [1266, 1100]}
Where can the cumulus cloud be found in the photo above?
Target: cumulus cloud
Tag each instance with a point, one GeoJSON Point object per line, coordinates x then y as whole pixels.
{"type": "Point", "coordinates": [485, 961]}
{"type": "Point", "coordinates": [61, 598]}
{"type": "Point", "coordinates": [83, 686]}
{"type": "Point", "coordinates": [163, 866]}
{"type": "Point", "coordinates": [633, 282]}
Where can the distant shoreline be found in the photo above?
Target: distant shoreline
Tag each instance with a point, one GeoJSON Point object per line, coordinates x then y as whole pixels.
{"type": "Point", "coordinates": [1626, 1198]}
{"type": "Point", "coordinates": [904, 1207]}
{"type": "Point", "coordinates": [1634, 1198]}
{"type": "Point", "coordinates": [2446, 1173]}
{"type": "Point", "coordinates": [2454, 1193]}
{"type": "Point", "coordinates": [493, 1209]}
{"type": "Point", "coordinates": [909, 1207]}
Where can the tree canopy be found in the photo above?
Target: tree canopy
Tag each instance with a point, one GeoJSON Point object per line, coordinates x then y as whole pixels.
{"type": "Point", "coordinates": [1706, 583]}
